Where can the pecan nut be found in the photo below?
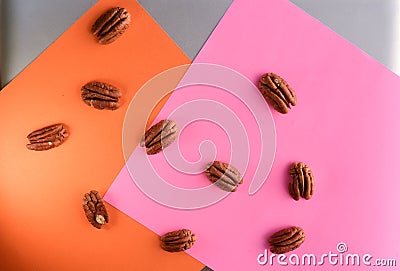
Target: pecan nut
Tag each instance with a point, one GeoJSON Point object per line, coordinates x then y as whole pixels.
{"type": "Point", "coordinates": [179, 240]}
{"type": "Point", "coordinates": [302, 184]}
{"type": "Point", "coordinates": [94, 208]}
{"type": "Point", "coordinates": [112, 24]}
{"type": "Point", "coordinates": [101, 95]}
{"type": "Point", "coordinates": [286, 240]}
{"type": "Point", "coordinates": [159, 136]}
{"type": "Point", "coordinates": [47, 138]}
{"type": "Point", "coordinates": [277, 92]}
{"type": "Point", "coordinates": [224, 176]}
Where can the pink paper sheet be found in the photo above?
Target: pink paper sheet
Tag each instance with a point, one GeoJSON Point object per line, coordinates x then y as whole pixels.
{"type": "Point", "coordinates": [345, 127]}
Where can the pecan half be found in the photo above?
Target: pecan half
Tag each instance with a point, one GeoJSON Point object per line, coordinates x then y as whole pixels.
{"type": "Point", "coordinates": [101, 95]}
{"type": "Point", "coordinates": [112, 24]}
{"type": "Point", "coordinates": [224, 176]}
{"type": "Point", "coordinates": [94, 208]}
{"type": "Point", "coordinates": [302, 184]}
{"type": "Point", "coordinates": [47, 138]}
{"type": "Point", "coordinates": [159, 136]}
{"type": "Point", "coordinates": [179, 240]}
{"type": "Point", "coordinates": [277, 92]}
{"type": "Point", "coordinates": [286, 240]}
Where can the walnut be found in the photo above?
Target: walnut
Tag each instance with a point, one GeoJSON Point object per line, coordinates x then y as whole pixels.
{"type": "Point", "coordinates": [224, 176]}
{"type": "Point", "coordinates": [101, 95]}
{"type": "Point", "coordinates": [302, 184]}
{"type": "Point", "coordinates": [286, 240]}
{"type": "Point", "coordinates": [159, 136]}
{"type": "Point", "coordinates": [94, 208]}
{"type": "Point", "coordinates": [176, 241]}
{"type": "Point", "coordinates": [47, 138]}
{"type": "Point", "coordinates": [111, 24]}
{"type": "Point", "coordinates": [277, 92]}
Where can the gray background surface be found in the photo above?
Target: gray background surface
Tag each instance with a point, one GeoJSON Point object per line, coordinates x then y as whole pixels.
{"type": "Point", "coordinates": [22, 40]}
{"type": "Point", "coordinates": [188, 22]}
{"type": "Point", "coordinates": [372, 25]}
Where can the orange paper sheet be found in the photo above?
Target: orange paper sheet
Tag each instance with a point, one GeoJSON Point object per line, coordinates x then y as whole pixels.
{"type": "Point", "coordinates": [43, 225]}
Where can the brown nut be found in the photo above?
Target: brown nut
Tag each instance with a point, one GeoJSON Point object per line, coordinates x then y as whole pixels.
{"type": "Point", "coordinates": [286, 240]}
{"type": "Point", "coordinates": [302, 184]}
{"type": "Point", "coordinates": [94, 209]}
{"type": "Point", "coordinates": [112, 24]}
{"type": "Point", "coordinates": [179, 240]}
{"type": "Point", "coordinates": [159, 136]}
{"type": "Point", "coordinates": [277, 92]}
{"type": "Point", "coordinates": [101, 95]}
{"type": "Point", "coordinates": [47, 138]}
{"type": "Point", "coordinates": [224, 176]}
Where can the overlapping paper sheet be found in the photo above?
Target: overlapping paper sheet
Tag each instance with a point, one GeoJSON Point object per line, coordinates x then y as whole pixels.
{"type": "Point", "coordinates": [345, 127]}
